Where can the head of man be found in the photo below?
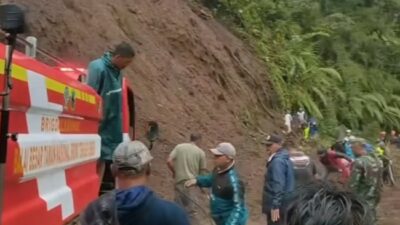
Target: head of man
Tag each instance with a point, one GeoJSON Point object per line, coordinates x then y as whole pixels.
{"type": "Point", "coordinates": [382, 135]}
{"type": "Point", "coordinates": [338, 147]}
{"type": "Point", "coordinates": [358, 147]}
{"type": "Point", "coordinates": [224, 154]}
{"type": "Point", "coordinates": [273, 143]}
{"type": "Point", "coordinates": [322, 151]}
{"type": "Point", "coordinates": [195, 138]}
{"type": "Point", "coordinates": [319, 203]}
{"type": "Point", "coordinates": [131, 164]}
{"type": "Point", "coordinates": [122, 55]}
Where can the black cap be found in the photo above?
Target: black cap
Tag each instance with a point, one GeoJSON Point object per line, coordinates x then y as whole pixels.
{"type": "Point", "coordinates": [272, 139]}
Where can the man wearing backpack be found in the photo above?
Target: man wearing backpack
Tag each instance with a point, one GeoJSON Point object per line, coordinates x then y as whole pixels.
{"type": "Point", "coordinates": [133, 202]}
{"type": "Point", "coordinates": [106, 78]}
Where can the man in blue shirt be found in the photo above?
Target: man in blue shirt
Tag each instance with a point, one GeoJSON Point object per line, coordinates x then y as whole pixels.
{"type": "Point", "coordinates": [279, 180]}
{"type": "Point", "coordinates": [133, 202]}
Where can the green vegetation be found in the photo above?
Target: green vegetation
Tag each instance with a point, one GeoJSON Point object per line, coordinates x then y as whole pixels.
{"type": "Point", "coordinates": [339, 59]}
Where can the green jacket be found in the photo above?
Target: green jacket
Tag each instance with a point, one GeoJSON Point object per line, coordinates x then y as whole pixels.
{"type": "Point", "coordinates": [365, 180]}
{"type": "Point", "coordinates": [106, 79]}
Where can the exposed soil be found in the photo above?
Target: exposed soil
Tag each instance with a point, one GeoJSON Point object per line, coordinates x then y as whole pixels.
{"type": "Point", "coordinates": [389, 207]}
{"type": "Point", "coordinates": [190, 74]}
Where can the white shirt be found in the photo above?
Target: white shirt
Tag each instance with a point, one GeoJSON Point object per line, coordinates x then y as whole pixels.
{"type": "Point", "coordinates": [301, 115]}
{"type": "Point", "coordinates": [288, 119]}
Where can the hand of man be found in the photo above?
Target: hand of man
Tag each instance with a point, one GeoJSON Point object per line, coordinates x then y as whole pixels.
{"type": "Point", "coordinates": [275, 215]}
{"type": "Point", "coordinates": [190, 183]}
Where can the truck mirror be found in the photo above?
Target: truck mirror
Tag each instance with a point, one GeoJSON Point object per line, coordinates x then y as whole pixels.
{"type": "Point", "coordinates": [12, 19]}
{"type": "Point", "coordinates": [152, 133]}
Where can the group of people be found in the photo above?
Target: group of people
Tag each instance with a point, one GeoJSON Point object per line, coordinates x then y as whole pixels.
{"type": "Point", "coordinates": [300, 121]}
{"type": "Point", "coordinates": [291, 193]}
{"type": "Point", "coordinates": [362, 165]}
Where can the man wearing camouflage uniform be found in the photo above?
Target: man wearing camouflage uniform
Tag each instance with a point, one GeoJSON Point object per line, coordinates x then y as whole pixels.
{"type": "Point", "coordinates": [366, 175]}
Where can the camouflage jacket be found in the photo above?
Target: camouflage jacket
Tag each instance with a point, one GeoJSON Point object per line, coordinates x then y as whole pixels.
{"type": "Point", "coordinates": [366, 178]}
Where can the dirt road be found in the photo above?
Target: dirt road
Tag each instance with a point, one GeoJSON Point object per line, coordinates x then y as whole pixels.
{"type": "Point", "coordinates": [389, 208]}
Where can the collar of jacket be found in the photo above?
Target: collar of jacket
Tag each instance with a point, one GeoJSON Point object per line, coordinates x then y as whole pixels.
{"type": "Point", "coordinates": [107, 57]}
{"type": "Point", "coordinates": [274, 154]}
{"type": "Point", "coordinates": [227, 168]}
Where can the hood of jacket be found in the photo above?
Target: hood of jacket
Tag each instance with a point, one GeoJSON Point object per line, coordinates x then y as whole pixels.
{"type": "Point", "coordinates": [130, 200]}
{"type": "Point", "coordinates": [107, 60]}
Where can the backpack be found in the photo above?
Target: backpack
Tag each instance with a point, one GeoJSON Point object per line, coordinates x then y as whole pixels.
{"type": "Point", "coordinates": [102, 211]}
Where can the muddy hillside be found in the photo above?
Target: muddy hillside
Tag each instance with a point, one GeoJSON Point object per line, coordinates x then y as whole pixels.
{"type": "Point", "coordinates": [190, 73]}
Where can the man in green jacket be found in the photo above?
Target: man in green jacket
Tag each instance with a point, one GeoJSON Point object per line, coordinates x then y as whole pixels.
{"type": "Point", "coordinates": [106, 78]}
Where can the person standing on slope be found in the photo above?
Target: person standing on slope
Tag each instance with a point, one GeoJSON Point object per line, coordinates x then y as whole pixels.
{"type": "Point", "coordinates": [288, 122]}
{"type": "Point", "coordinates": [366, 177]}
{"type": "Point", "coordinates": [187, 161]}
{"type": "Point", "coordinates": [279, 181]}
{"type": "Point", "coordinates": [227, 201]}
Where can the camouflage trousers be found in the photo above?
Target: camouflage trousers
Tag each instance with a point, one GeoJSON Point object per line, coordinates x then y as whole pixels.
{"type": "Point", "coordinates": [373, 204]}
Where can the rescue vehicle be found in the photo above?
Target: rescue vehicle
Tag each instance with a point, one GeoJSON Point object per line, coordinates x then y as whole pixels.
{"type": "Point", "coordinates": [49, 143]}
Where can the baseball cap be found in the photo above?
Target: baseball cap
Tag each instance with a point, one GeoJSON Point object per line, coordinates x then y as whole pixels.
{"type": "Point", "coordinates": [272, 139]}
{"type": "Point", "coordinates": [132, 155]}
{"type": "Point", "coordinates": [356, 140]}
{"type": "Point", "coordinates": [224, 148]}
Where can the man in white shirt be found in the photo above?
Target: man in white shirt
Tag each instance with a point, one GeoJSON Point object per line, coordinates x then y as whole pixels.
{"type": "Point", "coordinates": [301, 114]}
{"type": "Point", "coordinates": [288, 122]}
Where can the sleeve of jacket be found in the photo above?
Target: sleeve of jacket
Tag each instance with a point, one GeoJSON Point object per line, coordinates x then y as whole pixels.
{"type": "Point", "coordinates": [95, 74]}
{"type": "Point", "coordinates": [238, 211]}
{"type": "Point", "coordinates": [277, 180]}
{"type": "Point", "coordinates": [205, 181]}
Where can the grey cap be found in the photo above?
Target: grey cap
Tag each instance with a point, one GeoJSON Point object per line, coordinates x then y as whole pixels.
{"type": "Point", "coordinates": [224, 148]}
{"type": "Point", "coordinates": [356, 140]}
{"type": "Point", "coordinates": [132, 156]}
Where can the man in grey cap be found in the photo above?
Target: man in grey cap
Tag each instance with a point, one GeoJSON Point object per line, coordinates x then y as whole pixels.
{"type": "Point", "coordinates": [279, 180]}
{"type": "Point", "coordinates": [227, 202]}
{"type": "Point", "coordinates": [132, 202]}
